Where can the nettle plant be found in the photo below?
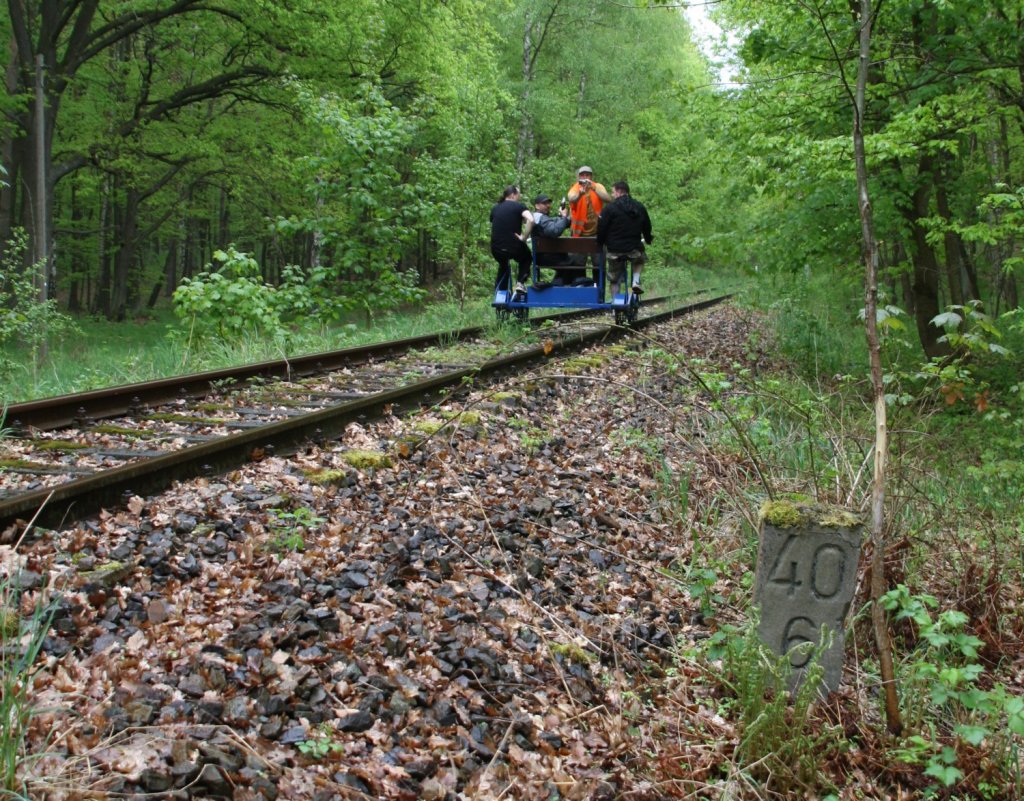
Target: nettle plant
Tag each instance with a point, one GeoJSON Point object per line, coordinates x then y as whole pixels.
{"type": "Point", "coordinates": [954, 719]}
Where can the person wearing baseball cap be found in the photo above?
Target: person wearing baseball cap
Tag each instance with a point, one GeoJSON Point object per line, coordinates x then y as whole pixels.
{"type": "Point", "coordinates": [543, 222]}
{"type": "Point", "coordinates": [586, 198]}
{"type": "Point", "coordinates": [553, 227]}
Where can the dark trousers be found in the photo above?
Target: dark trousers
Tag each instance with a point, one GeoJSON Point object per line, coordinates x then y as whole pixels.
{"type": "Point", "coordinates": [563, 264]}
{"type": "Point", "coordinates": [521, 256]}
{"type": "Point", "coordinates": [597, 259]}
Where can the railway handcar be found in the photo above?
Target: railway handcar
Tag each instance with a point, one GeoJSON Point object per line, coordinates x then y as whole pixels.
{"type": "Point", "coordinates": [547, 295]}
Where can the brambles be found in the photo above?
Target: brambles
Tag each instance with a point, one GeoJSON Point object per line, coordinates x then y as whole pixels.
{"type": "Point", "coordinates": [951, 707]}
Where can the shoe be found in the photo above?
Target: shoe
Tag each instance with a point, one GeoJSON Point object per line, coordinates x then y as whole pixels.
{"type": "Point", "coordinates": [519, 293]}
{"type": "Point", "coordinates": [637, 289]}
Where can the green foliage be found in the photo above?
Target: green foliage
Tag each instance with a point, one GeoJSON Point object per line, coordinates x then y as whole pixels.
{"type": "Point", "coordinates": [228, 302]}
{"type": "Point", "coordinates": [26, 323]}
{"type": "Point", "coordinates": [939, 146]}
{"type": "Point", "coordinates": [105, 353]}
{"type": "Point", "coordinates": [363, 209]}
{"type": "Point", "coordinates": [969, 329]}
{"type": "Point", "coordinates": [946, 699]}
{"type": "Point", "coordinates": [291, 526]}
{"type": "Point", "coordinates": [781, 743]}
{"type": "Point", "coordinates": [24, 623]}
{"type": "Point", "coordinates": [815, 320]}
{"type": "Point", "coordinates": [321, 743]}
{"type": "Point", "coordinates": [1002, 223]}
{"type": "Point", "coordinates": [674, 491]}
{"type": "Point", "coordinates": [961, 377]}
{"type": "Point", "coordinates": [233, 301]}
{"type": "Point", "coordinates": [700, 575]}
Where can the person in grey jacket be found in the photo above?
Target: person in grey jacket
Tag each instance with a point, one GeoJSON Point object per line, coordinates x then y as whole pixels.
{"type": "Point", "coordinates": [553, 227]}
{"type": "Point", "coordinates": [622, 228]}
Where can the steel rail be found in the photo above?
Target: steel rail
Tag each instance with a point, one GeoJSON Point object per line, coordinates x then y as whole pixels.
{"type": "Point", "coordinates": [76, 499]}
{"type": "Point", "coordinates": [66, 410]}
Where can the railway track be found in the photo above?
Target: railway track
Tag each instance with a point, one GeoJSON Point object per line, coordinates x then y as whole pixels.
{"type": "Point", "coordinates": [75, 455]}
{"type": "Point", "coordinates": [82, 408]}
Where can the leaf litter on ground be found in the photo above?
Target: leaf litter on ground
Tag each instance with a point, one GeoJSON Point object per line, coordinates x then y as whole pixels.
{"type": "Point", "coordinates": [488, 616]}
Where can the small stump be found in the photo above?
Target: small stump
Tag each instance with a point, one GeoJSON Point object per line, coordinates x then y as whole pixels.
{"type": "Point", "coordinates": [806, 575]}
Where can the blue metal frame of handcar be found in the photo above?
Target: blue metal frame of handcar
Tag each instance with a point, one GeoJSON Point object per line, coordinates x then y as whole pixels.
{"type": "Point", "coordinates": [550, 296]}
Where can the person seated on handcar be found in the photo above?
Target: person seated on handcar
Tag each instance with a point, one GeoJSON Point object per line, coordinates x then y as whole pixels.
{"type": "Point", "coordinates": [552, 228]}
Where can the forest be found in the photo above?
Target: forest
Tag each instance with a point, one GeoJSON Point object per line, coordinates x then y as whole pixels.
{"type": "Point", "coordinates": [358, 144]}
{"type": "Point", "coordinates": [856, 167]}
{"type": "Point", "coordinates": [355, 147]}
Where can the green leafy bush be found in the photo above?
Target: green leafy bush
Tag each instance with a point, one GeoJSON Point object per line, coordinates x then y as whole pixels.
{"type": "Point", "coordinates": [948, 705]}
{"type": "Point", "coordinates": [26, 322]}
{"type": "Point", "coordinates": [233, 301]}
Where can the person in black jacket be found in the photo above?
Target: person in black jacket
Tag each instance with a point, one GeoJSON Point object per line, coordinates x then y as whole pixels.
{"type": "Point", "coordinates": [509, 238]}
{"type": "Point", "coordinates": [622, 229]}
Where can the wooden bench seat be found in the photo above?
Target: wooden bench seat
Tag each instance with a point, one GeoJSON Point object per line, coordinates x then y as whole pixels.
{"type": "Point", "coordinates": [566, 244]}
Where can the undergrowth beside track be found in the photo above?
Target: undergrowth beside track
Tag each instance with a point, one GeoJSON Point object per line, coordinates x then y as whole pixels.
{"type": "Point", "coordinates": [98, 353]}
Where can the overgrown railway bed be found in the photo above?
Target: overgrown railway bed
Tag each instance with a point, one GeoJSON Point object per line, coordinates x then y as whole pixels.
{"type": "Point", "coordinates": [477, 618]}
{"type": "Point", "coordinates": [74, 455]}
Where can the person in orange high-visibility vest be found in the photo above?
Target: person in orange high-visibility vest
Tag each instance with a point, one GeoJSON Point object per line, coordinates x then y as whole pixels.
{"type": "Point", "coordinates": [586, 198]}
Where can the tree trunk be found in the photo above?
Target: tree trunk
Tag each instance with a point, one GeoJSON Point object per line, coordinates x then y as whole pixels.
{"type": "Point", "coordinates": [1010, 292]}
{"type": "Point", "coordinates": [188, 260]}
{"type": "Point", "coordinates": [102, 302]}
{"type": "Point", "coordinates": [973, 287]}
{"type": "Point", "coordinates": [77, 262]}
{"type": "Point", "coordinates": [870, 252]}
{"type": "Point", "coordinates": [581, 94]}
{"type": "Point", "coordinates": [171, 268]}
{"type": "Point", "coordinates": [951, 244]}
{"type": "Point", "coordinates": [907, 287]}
{"type": "Point", "coordinates": [524, 144]}
{"type": "Point", "coordinates": [224, 219]}
{"type": "Point", "coordinates": [926, 266]}
{"type": "Point", "coordinates": [126, 220]}
{"type": "Point", "coordinates": [9, 187]}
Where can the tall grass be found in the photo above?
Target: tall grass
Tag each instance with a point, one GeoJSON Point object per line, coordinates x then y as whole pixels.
{"type": "Point", "coordinates": [102, 353]}
{"type": "Point", "coordinates": [24, 622]}
{"type": "Point", "coordinates": [107, 354]}
{"type": "Point", "coordinates": [815, 319]}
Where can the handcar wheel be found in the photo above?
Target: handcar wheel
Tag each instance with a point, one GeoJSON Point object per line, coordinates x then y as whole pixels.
{"type": "Point", "coordinates": [522, 315]}
{"type": "Point", "coordinates": [633, 310]}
